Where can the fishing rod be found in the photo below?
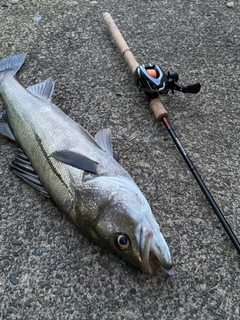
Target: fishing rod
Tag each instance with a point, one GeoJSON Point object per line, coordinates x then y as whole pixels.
{"type": "Point", "coordinates": [154, 82]}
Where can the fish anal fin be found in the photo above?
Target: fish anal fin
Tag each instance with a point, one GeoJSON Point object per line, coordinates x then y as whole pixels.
{"type": "Point", "coordinates": [43, 90]}
{"type": "Point", "coordinates": [23, 169]}
{"type": "Point", "coordinates": [76, 160]}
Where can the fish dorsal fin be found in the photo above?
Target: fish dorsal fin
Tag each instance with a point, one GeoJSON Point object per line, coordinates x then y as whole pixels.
{"type": "Point", "coordinates": [88, 136]}
{"type": "Point", "coordinates": [43, 90]}
{"type": "Point", "coordinates": [4, 127]}
{"type": "Point", "coordinates": [22, 168]}
{"type": "Point", "coordinates": [13, 62]}
{"type": "Point", "coordinates": [103, 138]}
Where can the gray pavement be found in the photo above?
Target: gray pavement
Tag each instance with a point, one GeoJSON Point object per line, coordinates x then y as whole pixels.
{"type": "Point", "coordinates": [48, 270]}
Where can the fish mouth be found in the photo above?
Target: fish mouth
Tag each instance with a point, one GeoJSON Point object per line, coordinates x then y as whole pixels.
{"type": "Point", "coordinates": [154, 256]}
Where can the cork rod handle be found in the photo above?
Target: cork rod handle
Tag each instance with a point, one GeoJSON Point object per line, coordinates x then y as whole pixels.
{"type": "Point", "coordinates": [120, 42]}
{"type": "Point", "coordinates": [155, 104]}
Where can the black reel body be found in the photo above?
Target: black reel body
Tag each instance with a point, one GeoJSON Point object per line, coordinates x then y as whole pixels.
{"type": "Point", "coordinates": [153, 84]}
{"type": "Point", "coordinates": [152, 79]}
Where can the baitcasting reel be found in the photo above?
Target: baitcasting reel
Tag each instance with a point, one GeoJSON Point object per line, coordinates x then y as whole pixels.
{"type": "Point", "coordinates": [151, 79]}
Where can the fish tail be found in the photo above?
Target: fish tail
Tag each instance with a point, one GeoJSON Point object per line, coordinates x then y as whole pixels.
{"type": "Point", "coordinates": [12, 63]}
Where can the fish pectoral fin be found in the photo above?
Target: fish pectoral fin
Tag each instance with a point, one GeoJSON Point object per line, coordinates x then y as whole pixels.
{"type": "Point", "coordinates": [4, 127]}
{"type": "Point", "coordinates": [76, 160]}
{"type": "Point", "coordinates": [103, 138]}
{"type": "Point", "coordinates": [22, 168]}
{"type": "Point", "coordinates": [43, 90]}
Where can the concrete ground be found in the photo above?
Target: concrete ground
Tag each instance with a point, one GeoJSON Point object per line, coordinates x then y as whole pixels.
{"type": "Point", "coordinates": [48, 270]}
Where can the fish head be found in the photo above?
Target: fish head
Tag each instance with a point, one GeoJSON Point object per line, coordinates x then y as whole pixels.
{"type": "Point", "coordinates": [114, 213]}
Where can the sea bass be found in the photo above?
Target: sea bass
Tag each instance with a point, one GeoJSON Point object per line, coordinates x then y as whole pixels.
{"type": "Point", "coordinates": [63, 161]}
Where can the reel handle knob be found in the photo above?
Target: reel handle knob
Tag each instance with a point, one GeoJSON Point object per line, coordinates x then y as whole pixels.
{"type": "Point", "coordinates": [191, 88]}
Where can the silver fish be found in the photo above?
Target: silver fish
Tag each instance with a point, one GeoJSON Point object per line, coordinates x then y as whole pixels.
{"type": "Point", "coordinates": [78, 172]}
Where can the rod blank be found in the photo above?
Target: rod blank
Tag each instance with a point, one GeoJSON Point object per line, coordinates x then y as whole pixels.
{"type": "Point", "coordinates": [202, 185]}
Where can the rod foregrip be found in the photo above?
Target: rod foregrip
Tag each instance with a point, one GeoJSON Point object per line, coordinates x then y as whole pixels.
{"type": "Point", "coordinates": [158, 109]}
{"type": "Point", "coordinates": [155, 104]}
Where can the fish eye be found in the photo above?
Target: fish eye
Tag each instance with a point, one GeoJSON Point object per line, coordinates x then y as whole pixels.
{"type": "Point", "coordinates": [122, 242]}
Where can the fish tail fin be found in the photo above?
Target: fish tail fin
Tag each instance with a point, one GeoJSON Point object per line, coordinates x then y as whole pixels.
{"type": "Point", "coordinates": [12, 63]}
